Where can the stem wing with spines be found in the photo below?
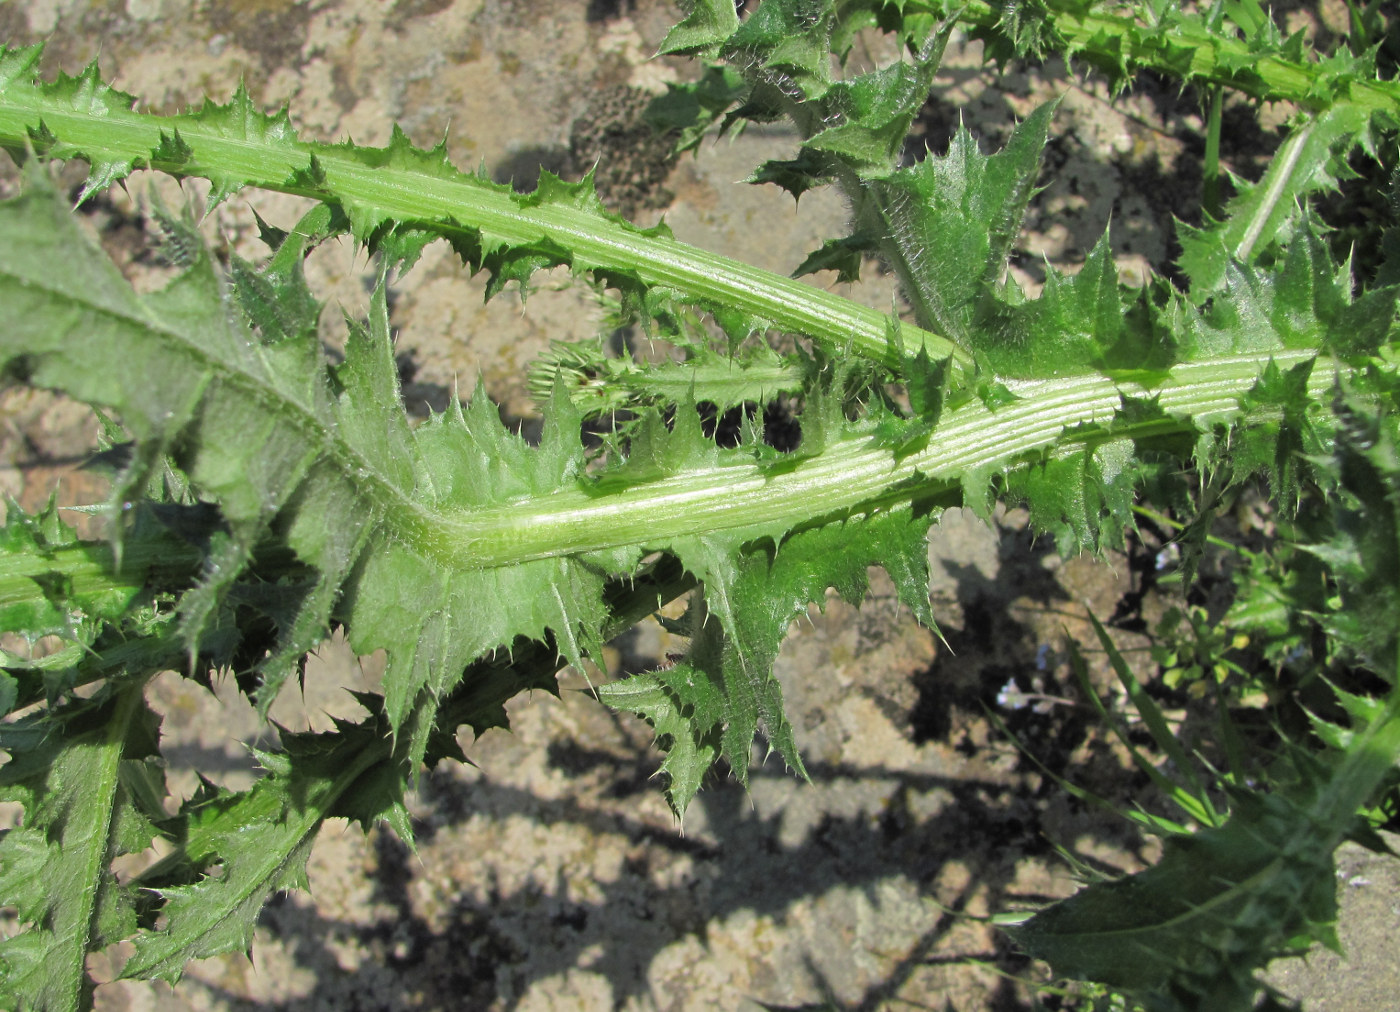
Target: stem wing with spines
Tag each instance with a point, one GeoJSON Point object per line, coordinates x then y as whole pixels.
{"type": "Point", "coordinates": [398, 198]}
{"type": "Point", "coordinates": [1234, 45]}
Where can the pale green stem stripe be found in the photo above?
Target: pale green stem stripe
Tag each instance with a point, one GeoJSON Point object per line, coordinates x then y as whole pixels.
{"type": "Point", "coordinates": [1280, 176]}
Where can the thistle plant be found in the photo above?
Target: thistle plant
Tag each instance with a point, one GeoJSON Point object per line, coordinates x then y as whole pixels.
{"type": "Point", "coordinates": [263, 495]}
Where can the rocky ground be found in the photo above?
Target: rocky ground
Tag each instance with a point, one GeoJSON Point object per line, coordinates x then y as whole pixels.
{"type": "Point", "coordinates": [551, 875]}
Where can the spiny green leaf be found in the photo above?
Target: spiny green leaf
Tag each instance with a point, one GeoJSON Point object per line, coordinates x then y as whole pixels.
{"type": "Point", "coordinates": [45, 590]}
{"type": "Point", "coordinates": [1077, 323]}
{"type": "Point", "coordinates": [912, 22]}
{"type": "Point", "coordinates": [690, 108]}
{"type": "Point", "coordinates": [1363, 551]}
{"type": "Point", "coordinates": [1307, 303]}
{"type": "Point", "coordinates": [856, 128]}
{"type": "Point", "coordinates": [266, 429]}
{"type": "Point", "coordinates": [170, 347]}
{"type": "Point", "coordinates": [275, 299]}
{"type": "Point", "coordinates": [108, 615]}
{"type": "Point", "coordinates": [470, 460]}
{"type": "Point", "coordinates": [715, 700]}
{"type": "Point", "coordinates": [948, 223]}
{"type": "Point", "coordinates": [1223, 902]}
{"type": "Point", "coordinates": [259, 840]}
{"type": "Point", "coordinates": [707, 23]}
{"type": "Point", "coordinates": [874, 110]}
{"type": "Point", "coordinates": [86, 94]}
{"type": "Point", "coordinates": [840, 255]}
{"type": "Point", "coordinates": [1193, 45]}
{"type": "Point", "coordinates": [1236, 890]}
{"type": "Point", "coordinates": [1084, 497]}
{"type": "Point", "coordinates": [786, 44]}
{"type": "Point", "coordinates": [684, 722]}
{"type": "Point", "coordinates": [809, 170]}
{"type": "Point", "coordinates": [926, 384]}
{"type": "Point", "coordinates": [1281, 433]}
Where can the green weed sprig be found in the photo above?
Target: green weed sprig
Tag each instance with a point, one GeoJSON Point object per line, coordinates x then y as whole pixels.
{"type": "Point", "coordinates": [263, 494]}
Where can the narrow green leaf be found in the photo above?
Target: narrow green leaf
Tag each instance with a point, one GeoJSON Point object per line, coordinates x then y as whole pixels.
{"type": "Point", "coordinates": [259, 840]}
{"type": "Point", "coordinates": [54, 869]}
{"type": "Point", "coordinates": [1195, 801]}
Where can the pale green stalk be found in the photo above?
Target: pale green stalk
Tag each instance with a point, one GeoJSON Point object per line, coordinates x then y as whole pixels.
{"type": "Point", "coordinates": [854, 474]}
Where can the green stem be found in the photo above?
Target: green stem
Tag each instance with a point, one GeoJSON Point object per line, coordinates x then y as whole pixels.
{"type": "Point", "coordinates": [410, 186]}
{"type": "Point", "coordinates": [1210, 171]}
{"type": "Point", "coordinates": [855, 474]}
{"type": "Point", "coordinates": [851, 475]}
{"type": "Point", "coordinates": [1117, 45]}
